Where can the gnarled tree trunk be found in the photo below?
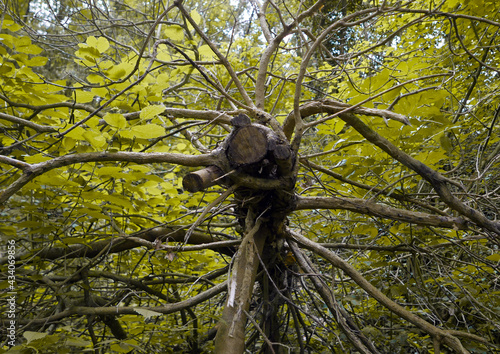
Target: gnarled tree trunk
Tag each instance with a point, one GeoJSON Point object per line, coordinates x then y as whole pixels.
{"type": "Point", "coordinates": [250, 152]}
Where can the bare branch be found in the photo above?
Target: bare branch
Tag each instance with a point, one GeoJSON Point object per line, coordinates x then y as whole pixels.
{"type": "Point", "coordinates": [438, 181]}
{"type": "Point", "coordinates": [260, 85]}
{"type": "Point", "coordinates": [131, 310]}
{"type": "Point", "coordinates": [141, 158]}
{"type": "Point", "coordinates": [156, 238]}
{"type": "Point", "coordinates": [369, 207]}
{"type": "Point", "coordinates": [222, 58]}
{"type": "Point", "coordinates": [338, 262]}
{"type": "Point", "coordinates": [37, 127]}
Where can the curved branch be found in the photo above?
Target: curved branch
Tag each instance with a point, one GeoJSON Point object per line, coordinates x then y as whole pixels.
{"type": "Point", "coordinates": [261, 14]}
{"type": "Point", "coordinates": [120, 244]}
{"type": "Point", "coordinates": [221, 57]}
{"type": "Point", "coordinates": [336, 261]}
{"type": "Point", "coordinates": [299, 124]}
{"type": "Point", "coordinates": [32, 171]}
{"type": "Point", "coordinates": [37, 127]}
{"type": "Point", "coordinates": [42, 107]}
{"type": "Point", "coordinates": [260, 85]}
{"type": "Point", "coordinates": [130, 310]}
{"type": "Point", "coordinates": [345, 322]}
{"type": "Point", "coordinates": [369, 207]}
{"type": "Point", "coordinates": [391, 194]}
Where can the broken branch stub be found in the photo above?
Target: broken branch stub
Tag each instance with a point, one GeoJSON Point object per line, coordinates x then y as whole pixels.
{"type": "Point", "coordinates": [201, 179]}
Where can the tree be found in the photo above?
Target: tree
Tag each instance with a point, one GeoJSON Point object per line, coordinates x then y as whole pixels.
{"type": "Point", "coordinates": [267, 177]}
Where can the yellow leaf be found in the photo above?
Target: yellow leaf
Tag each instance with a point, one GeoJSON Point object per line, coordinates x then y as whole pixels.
{"type": "Point", "coordinates": [87, 13]}
{"type": "Point", "coordinates": [196, 17]}
{"type": "Point", "coordinates": [10, 25]}
{"type": "Point", "coordinates": [37, 61]}
{"type": "Point", "coordinates": [102, 44]}
{"type": "Point", "coordinates": [116, 120]}
{"type": "Point", "coordinates": [206, 52]}
{"type": "Point", "coordinates": [91, 41]}
{"type": "Point", "coordinates": [149, 131]}
{"type": "Point", "coordinates": [7, 39]}
{"type": "Point", "coordinates": [88, 53]}
{"type": "Point", "coordinates": [109, 170]}
{"type": "Point", "coordinates": [83, 96]}
{"type": "Point", "coordinates": [76, 133]}
{"type": "Point", "coordinates": [36, 158]}
{"type": "Point", "coordinates": [151, 111]}
{"type": "Point", "coordinates": [174, 33]}
{"type": "Point", "coordinates": [181, 146]}
{"type": "Point", "coordinates": [494, 257]}
{"type": "Point", "coordinates": [29, 49]}
{"type": "Point", "coordinates": [31, 336]}
{"type": "Point", "coordinates": [120, 71]}
{"type": "Point", "coordinates": [339, 125]}
{"type": "Point", "coordinates": [68, 143]}
{"type": "Point", "coordinates": [95, 139]}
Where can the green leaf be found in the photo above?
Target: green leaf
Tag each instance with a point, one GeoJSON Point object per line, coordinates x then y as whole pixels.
{"type": "Point", "coordinates": [120, 71]}
{"type": "Point", "coordinates": [37, 61]}
{"type": "Point", "coordinates": [88, 53]}
{"type": "Point", "coordinates": [339, 125]}
{"type": "Point", "coordinates": [77, 342]}
{"type": "Point", "coordinates": [121, 348]}
{"type": "Point", "coordinates": [174, 33]}
{"type": "Point", "coordinates": [206, 52]}
{"type": "Point", "coordinates": [10, 25]}
{"type": "Point", "coordinates": [196, 16]}
{"type": "Point", "coordinates": [84, 96]}
{"type": "Point", "coordinates": [149, 131]}
{"type": "Point", "coordinates": [97, 140]}
{"type": "Point", "coordinates": [76, 133]}
{"type": "Point", "coordinates": [29, 49]}
{"type": "Point", "coordinates": [147, 314]}
{"type": "Point", "coordinates": [102, 44]}
{"type": "Point", "coordinates": [31, 336]}
{"type": "Point", "coordinates": [151, 111]}
{"type": "Point", "coordinates": [494, 257]}
{"type": "Point", "coordinates": [116, 120]}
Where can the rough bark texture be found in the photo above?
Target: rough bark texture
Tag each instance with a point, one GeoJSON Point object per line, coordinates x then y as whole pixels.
{"type": "Point", "coordinates": [230, 336]}
{"type": "Point", "coordinates": [252, 150]}
{"type": "Point", "coordinates": [246, 145]}
{"type": "Point", "coordinates": [252, 155]}
{"type": "Point", "coordinates": [201, 179]}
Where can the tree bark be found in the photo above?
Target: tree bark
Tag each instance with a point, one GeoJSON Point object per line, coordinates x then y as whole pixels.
{"type": "Point", "coordinates": [230, 336]}
{"type": "Point", "coordinates": [201, 179]}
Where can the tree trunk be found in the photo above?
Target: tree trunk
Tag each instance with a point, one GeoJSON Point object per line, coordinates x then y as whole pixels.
{"type": "Point", "coordinates": [230, 336]}
{"type": "Point", "coordinates": [250, 150]}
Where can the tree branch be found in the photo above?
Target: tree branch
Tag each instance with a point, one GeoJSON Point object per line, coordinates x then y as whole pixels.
{"type": "Point", "coordinates": [338, 262]}
{"type": "Point", "coordinates": [37, 127]}
{"type": "Point", "coordinates": [438, 181]}
{"type": "Point", "coordinates": [128, 310]}
{"type": "Point", "coordinates": [347, 325]}
{"type": "Point", "coordinates": [35, 170]}
{"type": "Point", "coordinates": [369, 207]}
{"type": "Point", "coordinates": [123, 243]}
{"type": "Point", "coordinates": [221, 57]}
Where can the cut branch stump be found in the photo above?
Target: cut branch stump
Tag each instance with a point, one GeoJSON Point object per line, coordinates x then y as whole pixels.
{"type": "Point", "coordinates": [250, 149]}
{"type": "Point", "coordinates": [201, 179]}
